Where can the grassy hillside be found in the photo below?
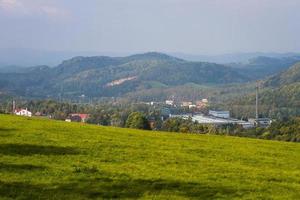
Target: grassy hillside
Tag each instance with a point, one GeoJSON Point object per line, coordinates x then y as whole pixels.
{"type": "Point", "coordinates": [42, 159]}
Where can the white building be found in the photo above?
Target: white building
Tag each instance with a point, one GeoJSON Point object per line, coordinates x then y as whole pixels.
{"type": "Point", "coordinates": [221, 114]}
{"type": "Point", "coordinates": [246, 125]}
{"type": "Point", "coordinates": [204, 100]}
{"type": "Point", "coordinates": [192, 106]}
{"type": "Point", "coordinates": [261, 122]}
{"type": "Point", "coordinates": [23, 112]}
{"type": "Point", "coordinates": [186, 103]}
{"type": "Point", "coordinates": [170, 102]}
{"type": "Point", "coordinates": [202, 119]}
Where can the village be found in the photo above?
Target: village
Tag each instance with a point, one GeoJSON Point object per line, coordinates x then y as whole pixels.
{"type": "Point", "coordinates": [213, 117]}
{"type": "Point", "coordinates": [197, 111]}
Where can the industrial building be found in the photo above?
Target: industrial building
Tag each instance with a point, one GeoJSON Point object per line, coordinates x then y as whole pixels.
{"type": "Point", "coordinates": [221, 114]}
{"type": "Point", "coordinates": [213, 120]}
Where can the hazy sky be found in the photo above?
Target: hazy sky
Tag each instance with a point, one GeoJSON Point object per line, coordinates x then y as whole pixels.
{"type": "Point", "coordinates": [188, 26]}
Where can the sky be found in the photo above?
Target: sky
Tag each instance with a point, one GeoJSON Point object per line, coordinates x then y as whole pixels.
{"type": "Point", "coordinates": [187, 26]}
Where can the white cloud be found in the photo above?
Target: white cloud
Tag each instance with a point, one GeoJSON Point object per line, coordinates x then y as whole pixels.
{"type": "Point", "coordinates": [31, 7]}
{"type": "Point", "coordinates": [10, 5]}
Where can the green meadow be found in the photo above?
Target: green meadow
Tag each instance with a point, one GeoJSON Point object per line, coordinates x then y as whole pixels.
{"type": "Point", "coordinates": [45, 159]}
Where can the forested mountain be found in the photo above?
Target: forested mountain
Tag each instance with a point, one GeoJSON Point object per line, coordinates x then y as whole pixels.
{"type": "Point", "coordinates": [149, 76]}
{"type": "Point", "coordinates": [261, 67]}
{"type": "Point", "coordinates": [232, 57]}
{"type": "Point", "coordinates": [279, 96]}
{"type": "Point", "coordinates": [290, 76]}
{"type": "Point", "coordinates": [257, 68]}
{"type": "Point", "coordinates": [114, 76]}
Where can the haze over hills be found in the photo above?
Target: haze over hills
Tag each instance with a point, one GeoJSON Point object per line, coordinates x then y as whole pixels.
{"type": "Point", "coordinates": [261, 67]}
{"type": "Point", "coordinates": [231, 57]}
{"type": "Point", "coordinates": [114, 76]}
{"type": "Point", "coordinates": [24, 57]}
{"type": "Point", "coordinates": [103, 76]}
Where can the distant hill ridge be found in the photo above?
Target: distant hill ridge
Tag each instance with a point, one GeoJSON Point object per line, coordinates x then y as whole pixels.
{"type": "Point", "coordinates": [104, 76]}
{"type": "Point", "coordinates": [90, 75]}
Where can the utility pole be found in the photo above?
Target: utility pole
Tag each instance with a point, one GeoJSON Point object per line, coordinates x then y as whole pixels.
{"type": "Point", "coordinates": [13, 106]}
{"type": "Point", "coordinates": [256, 106]}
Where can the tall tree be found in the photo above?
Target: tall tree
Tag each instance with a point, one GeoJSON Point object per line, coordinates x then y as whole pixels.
{"type": "Point", "coordinates": [137, 120]}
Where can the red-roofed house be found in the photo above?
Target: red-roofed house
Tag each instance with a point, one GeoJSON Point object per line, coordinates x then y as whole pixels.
{"type": "Point", "coordinates": [23, 112]}
{"type": "Point", "coordinates": [78, 117]}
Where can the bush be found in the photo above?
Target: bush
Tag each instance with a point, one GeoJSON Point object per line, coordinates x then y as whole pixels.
{"type": "Point", "coordinates": [137, 120]}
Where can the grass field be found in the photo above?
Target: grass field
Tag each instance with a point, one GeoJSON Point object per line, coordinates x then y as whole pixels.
{"type": "Point", "coordinates": [43, 159]}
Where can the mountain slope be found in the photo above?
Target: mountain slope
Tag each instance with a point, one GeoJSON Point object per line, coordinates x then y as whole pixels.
{"type": "Point", "coordinates": [43, 159]}
{"type": "Point", "coordinates": [233, 57]}
{"type": "Point", "coordinates": [292, 75]}
{"type": "Point", "coordinates": [279, 97]}
{"type": "Point", "coordinates": [92, 75]}
{"type": "Point", "coordinates": [261, 67]}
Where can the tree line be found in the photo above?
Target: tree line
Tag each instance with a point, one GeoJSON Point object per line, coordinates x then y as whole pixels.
{"type": "Point", "coordinates": [142, 116]}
